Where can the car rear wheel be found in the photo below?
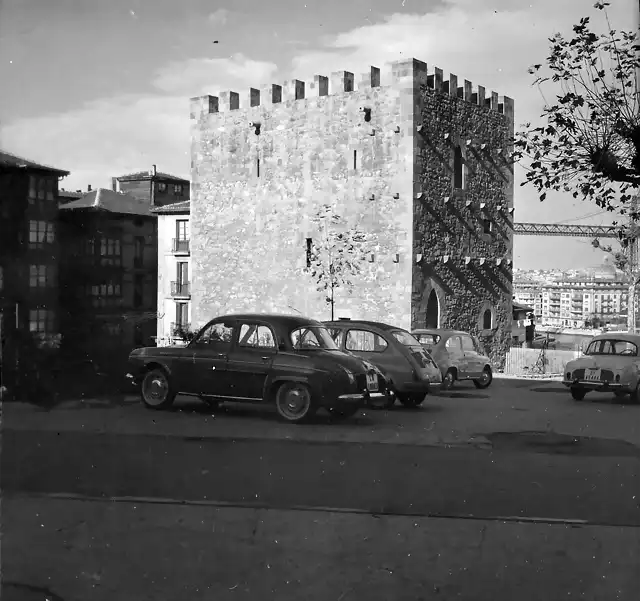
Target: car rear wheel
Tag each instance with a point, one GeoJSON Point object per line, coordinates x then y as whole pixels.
{"type": "Point", "coordinates": [411, 400]}
{"type": "Point", "coordinates": [634, 396]}
{"type": "Point", "coordinates": [578, 393]}
{"type": "Point", "coordinates": [294, 403]}
{"type": "Point", "coordinates": [484, 381]}
{"type": "Point", "coordinates": [448, 380]}
{"type": "Point", "coordinates": [157, 391]}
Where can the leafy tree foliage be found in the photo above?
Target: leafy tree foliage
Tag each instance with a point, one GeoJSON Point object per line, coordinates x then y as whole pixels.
{"type": "Point", "coordinates": [337, 256]}
{"type": "Point", "coordinates": [590, 144]}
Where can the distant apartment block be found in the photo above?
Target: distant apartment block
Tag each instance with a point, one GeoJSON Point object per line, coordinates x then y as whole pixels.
{"type": "Point", "coordinates": [29, 258]}
{"type": "Point", "coordinates": [154, 187]}
{"type": "Point", "coordinates": [174, 267]}
{"type": "Point", "coordinates": [108, 275]}
{"type": "Point", "coordinates": [572, 300]}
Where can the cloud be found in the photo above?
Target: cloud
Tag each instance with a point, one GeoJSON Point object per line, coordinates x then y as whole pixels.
{"type": "Point", "coordinates": [219, 17]}
{"type": "Point", "coordinates": [210, 75]}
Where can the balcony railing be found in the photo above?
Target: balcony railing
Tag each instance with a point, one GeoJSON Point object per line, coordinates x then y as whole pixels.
{"type": "Point", "coordinates": [177, 328]}
{"type": "Point", "coordinates": [181, 246]}
{"type": "Point", "coordinates": [180, 289]}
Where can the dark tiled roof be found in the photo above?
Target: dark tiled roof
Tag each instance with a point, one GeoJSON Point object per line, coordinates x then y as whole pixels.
{"type": "Point", "coordinates": [68, 194]}
{"type": "Point", "coordinates": [176, 207]}
{"type": "Point", "coordinates": [110, 201]}
{"type": "Point", "coordinates": [11, 160]}
{"type": "Point", "coordinates": [144, 175]}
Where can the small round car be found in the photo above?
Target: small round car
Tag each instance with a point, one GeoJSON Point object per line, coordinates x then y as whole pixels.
{"type": "Point", "coordinates": [609, 364]}
{"type": "Point", "coordinates": [409, 369]}
{"type": "Point", "coordinates": [288, 360]}
{"type": "Point", "coordinates": [458, 356]}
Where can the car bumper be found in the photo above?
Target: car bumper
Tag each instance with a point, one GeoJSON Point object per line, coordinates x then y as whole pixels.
{"type": "Point", "coordinates": [598, 386]}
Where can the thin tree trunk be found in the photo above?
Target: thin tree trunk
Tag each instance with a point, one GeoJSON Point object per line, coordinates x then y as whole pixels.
{"type": "Point", "coordinates": [332, 302]}
{"type": "Point", "coordinates": [631, 306]}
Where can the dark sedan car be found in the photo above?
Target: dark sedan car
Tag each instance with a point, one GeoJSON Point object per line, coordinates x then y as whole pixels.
{"type": "Point", "coordinates": [410, 370]}
{"type": "Point", "coordinates": [286, 359]}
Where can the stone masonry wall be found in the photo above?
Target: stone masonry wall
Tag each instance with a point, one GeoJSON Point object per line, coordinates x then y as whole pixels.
{"type": "Point", "coordinates": [463, 241]}
{"type": "Point", "coordinates": [382, 155]}
{"type": "Point", "coordinates": [253, 196]}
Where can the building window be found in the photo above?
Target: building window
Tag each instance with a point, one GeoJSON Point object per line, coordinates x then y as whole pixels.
{"type": "Point", "coordinates": [40, 232]}
{"type": "Point", "coordinates": [33, 188]}
{"type": "Point", "coordinates": [458, 168]}
{"type": "Point", "coordinates": [487, 226]}
{"type": "Point", "coordinates": [182, 314]}
{"type": "Point", "coordinates": [105, 294]}
{"type": "Point", "coordinates": [177, 189]}
{"type": "Point", "coordinates": [41, 321]}
{"type": "Point", "coordinates": [182, 229]}
{"type": "Point", "coordinates": [138, 258]}
{"type": "Point", "coordinates": [309, 251]}
{"type": "Point", "coordinates": [162, 187]}
{"type": "Point", "coordinates": [40, 276]}
{"type": "Point", "coordinates": [138, 291]}
{"type": "Point", "coordinates": [110, 251]}
{"type": "Point", "coordinates": [51, 188]}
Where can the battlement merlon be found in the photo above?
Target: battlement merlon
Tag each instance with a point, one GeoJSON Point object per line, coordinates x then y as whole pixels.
{"type": "Point", "coordinates": [343, 82]}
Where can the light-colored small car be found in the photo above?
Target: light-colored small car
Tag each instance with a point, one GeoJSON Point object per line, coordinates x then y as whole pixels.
{"type": "Point", "coordinates": [611, 363]}
{"type": "Point", "coordinates": [458, 356]}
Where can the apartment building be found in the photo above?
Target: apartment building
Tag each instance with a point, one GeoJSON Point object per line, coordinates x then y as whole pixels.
{"type": "Point", "coordinates": [174, 267]}
{"type": "Point", "coordinates": [29, 257]}
{"type": "Point", "coordinates": [154, 187]}
{"type": "Point", "coordinates": [108, 276]}
{"type": "Point", "coordinates": [572, 301]}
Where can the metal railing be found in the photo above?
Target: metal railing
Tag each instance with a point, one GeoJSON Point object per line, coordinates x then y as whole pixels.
{"type": "Point", "coordinates": [180, 289]}
{"type": "Point", "coordinates": [181, 245]}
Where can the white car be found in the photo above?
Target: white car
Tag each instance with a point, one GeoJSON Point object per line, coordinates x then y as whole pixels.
{"type": "Point", "coordinates": [611, 363]}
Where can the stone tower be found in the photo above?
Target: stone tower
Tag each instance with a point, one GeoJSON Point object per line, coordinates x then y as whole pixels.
{"type": "Point", "coordinates": [419, 162]}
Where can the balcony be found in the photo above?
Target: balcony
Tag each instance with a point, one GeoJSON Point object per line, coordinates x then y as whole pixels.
{"type": "Point", "coordinates": [176, 328]}
{"type": "Point", "coordinates": [180, 246]}
{"type": "Point", "coordinates": [180, 289]}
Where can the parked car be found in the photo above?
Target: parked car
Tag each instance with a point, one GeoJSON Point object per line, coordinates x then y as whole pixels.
{"type": "Point", "coordinates": [458, 356]}
{"type": "Point", "coordinates": [410, 370]}
{"type": "Point", "coordinates": [289, 360]}
{"type": "Point", "coordinates": [610, 364]}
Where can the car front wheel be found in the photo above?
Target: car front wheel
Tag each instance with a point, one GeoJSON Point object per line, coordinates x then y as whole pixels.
{"type": "Point", "coordinates": [484, 381]}
{"type": "Point", "coordinates": [448, 380]}
{"type": "Point", "coordinates": [294, 403]}
{"type": "Point", "coordinates": [157, 391]}
{"type": "Point", "coordinates": [578, 393]}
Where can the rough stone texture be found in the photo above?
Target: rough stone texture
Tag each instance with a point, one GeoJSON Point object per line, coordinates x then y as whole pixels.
{"type": "Point", "coordinates": [253, 197]}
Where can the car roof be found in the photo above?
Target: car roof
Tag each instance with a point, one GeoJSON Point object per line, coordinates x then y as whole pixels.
{"type": "Point", "coordinates": [438, 331]}
{"type": "Point", "coordinates": [362, 322]}
{"type": "Point", "coordinates": [282, 319]}
{"type": "Point", "coordinates": [635, 338]}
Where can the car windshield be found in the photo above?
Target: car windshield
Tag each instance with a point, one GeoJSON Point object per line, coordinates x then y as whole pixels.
{"type": "Point", "coordinates": [312, 337]}
{"type": "Point", "coordinates": [428, 340]}
{"type": "Point", "coordinates": [612, 346]}
{"type": "Point", "coordinates": [405, 338]}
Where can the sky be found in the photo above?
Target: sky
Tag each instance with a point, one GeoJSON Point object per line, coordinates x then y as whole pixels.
{"type": "Point", "coordinates": [101, 89]}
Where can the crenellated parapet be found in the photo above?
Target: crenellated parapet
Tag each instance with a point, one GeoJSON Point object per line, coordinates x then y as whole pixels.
{"type": "Point", "coordinates": [396, 74]}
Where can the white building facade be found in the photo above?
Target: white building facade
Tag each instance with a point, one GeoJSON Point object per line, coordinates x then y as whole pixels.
{"type": "Point", "coordinates": [174, 268]}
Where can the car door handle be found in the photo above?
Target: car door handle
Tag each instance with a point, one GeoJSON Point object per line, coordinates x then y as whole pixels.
{"type": "Point", "coordinates": [221, 355]}
{"type": "Point", "coordinates": [266, 358]}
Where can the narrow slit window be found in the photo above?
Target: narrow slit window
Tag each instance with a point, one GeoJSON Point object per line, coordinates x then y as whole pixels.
{"type": "Point", "coordinates": [487, 226]}
{"type": "Point", "coordinates": [458, 169]}
{"type": "Point", "coordinates": [355, 160]}
{"type": "Point", "coordinates": [258, 167]}
{"type": "Point", "coordinates": [309, 247]}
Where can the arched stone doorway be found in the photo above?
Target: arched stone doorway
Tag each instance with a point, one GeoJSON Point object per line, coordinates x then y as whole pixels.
{"type": "Point", "coordinates": [433, 311]}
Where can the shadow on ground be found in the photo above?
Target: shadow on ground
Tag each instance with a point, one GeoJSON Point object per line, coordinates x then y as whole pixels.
{"type": "Point", "coordinates": [561, 444]}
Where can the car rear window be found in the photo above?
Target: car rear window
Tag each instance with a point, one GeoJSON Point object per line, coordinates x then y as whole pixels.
{"type": "Point", "coordinates": [365, 341]}
{"type": "Point", "coordinates": [428, 340]}
{"type": "Point", "coordinates": [612, 346]}
{"type": "Point", "coordinates": [405, 338]}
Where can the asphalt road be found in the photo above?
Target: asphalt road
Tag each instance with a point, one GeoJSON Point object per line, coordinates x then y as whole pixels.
{"type": "Point", "coordinates": [378, 478]}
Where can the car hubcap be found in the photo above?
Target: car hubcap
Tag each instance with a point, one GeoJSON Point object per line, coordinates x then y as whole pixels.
{"type": "Point", "coordinates": [485, 377]}
{"type": "Point", "coordinates": [296, 402]}
{"type": "Point", "coordinates": [156, 390]}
